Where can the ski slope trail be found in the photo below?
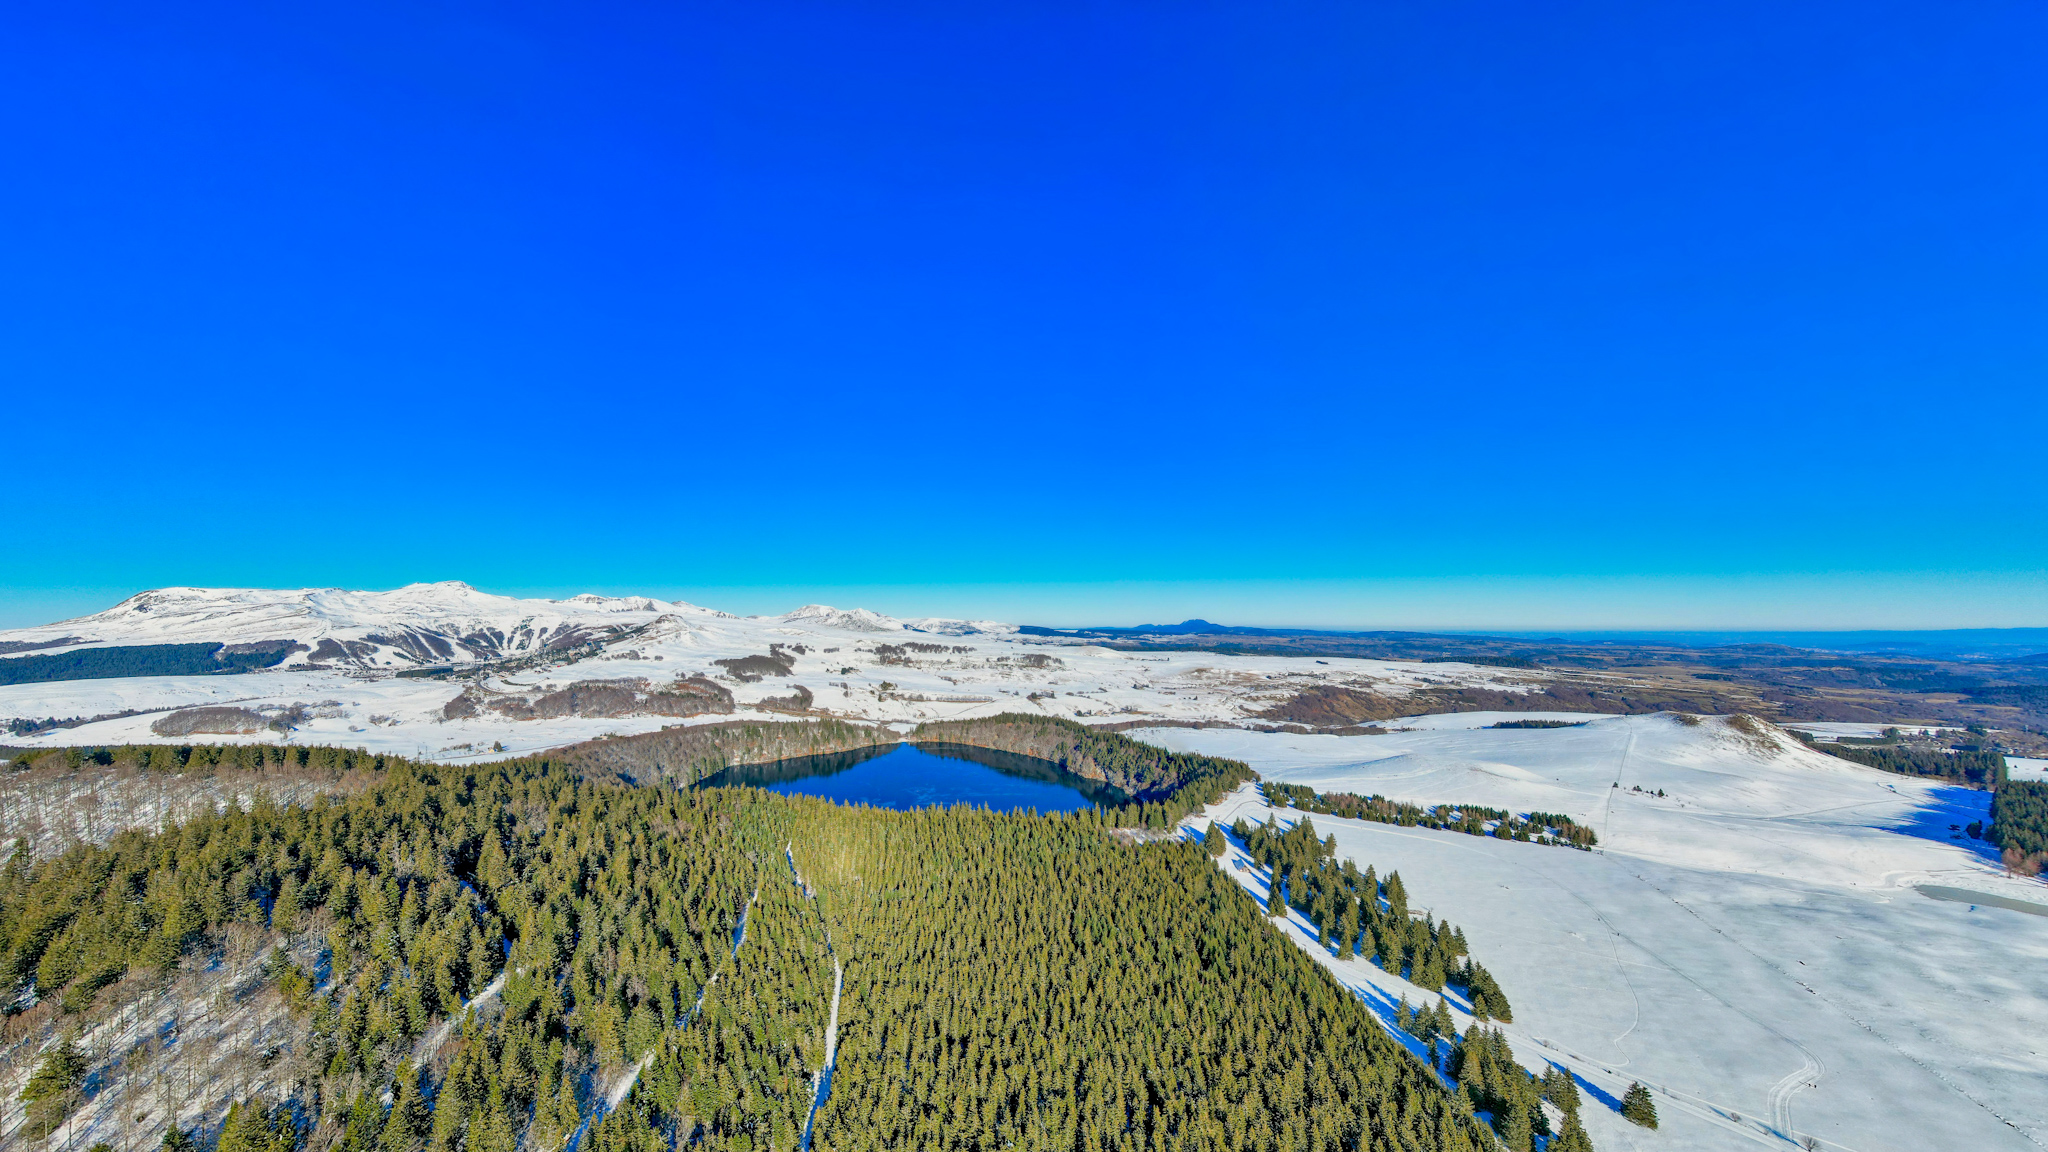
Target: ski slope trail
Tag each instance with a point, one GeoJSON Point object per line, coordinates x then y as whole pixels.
{"type": "Point", "coordinates": [1781, 1093]}
{"type": "Point", "coordinates": [1620, 770]}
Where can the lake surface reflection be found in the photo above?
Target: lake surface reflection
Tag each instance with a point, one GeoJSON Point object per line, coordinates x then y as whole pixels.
{"type": "Point", "coordinates": [905, 776]}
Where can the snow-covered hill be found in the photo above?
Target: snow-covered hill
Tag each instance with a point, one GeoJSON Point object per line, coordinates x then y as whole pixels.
{"type": "Point", "coordinates": [1751, 943]}
{"type": "Point", "coordinates": [419, 623]}
{"type": "Point", "coordinates": [446, 671]}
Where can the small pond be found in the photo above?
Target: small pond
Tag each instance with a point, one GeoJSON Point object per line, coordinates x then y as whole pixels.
{"type": "Point", "coordinates": [905, 776]}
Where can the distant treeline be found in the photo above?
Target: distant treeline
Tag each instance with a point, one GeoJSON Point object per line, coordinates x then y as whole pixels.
{"type": "Point", "coordinates": [142, 660]}
{"type": "Point", "coordinates": [683, 756]}
{"type": "Point", "coordinates": [1539, 724]}
{"type": "Point", "coordinates": [204, 758]}
{"type": "Point", "coordinates": [1471, 819]}
{"type": "Point", "coordinates": [1976, 769]}
{"type": "Point", "coordinates": [1163, 785]}
{"type": "Point", "coordinates": [2015, 695]}
{"type": "Point", "coordinates": [2019, 824]}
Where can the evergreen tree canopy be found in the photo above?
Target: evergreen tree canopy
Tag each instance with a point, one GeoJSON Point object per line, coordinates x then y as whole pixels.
{"type": "Point", "coordinates": [1638, 1108]}
{"type": "Point", "coordinates": [1005, 981]}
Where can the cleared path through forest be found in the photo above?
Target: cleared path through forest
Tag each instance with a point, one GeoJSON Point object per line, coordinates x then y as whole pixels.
{"type": "Point", "coordinates": [623, 1086]}
{"type": "Point", "coordinates": [438, 1034]}
{"type": "Point", "coordinates": [823, 1087]}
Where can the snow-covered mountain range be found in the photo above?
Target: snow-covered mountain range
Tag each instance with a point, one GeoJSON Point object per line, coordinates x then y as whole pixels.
{"type": "Point", "coordinates": [447, 622]}
{"type": "Point", "coordinates": [444, 670]}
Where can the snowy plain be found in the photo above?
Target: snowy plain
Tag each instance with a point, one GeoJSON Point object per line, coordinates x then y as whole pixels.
{"type": "Point", "coordinates": [1751, 945]}
{"type": "Point", "coordinates": [2026, 768]}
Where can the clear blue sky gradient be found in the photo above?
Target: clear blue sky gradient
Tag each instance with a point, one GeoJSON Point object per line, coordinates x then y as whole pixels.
{"type": "Point", "coordinates": [1577, 315]}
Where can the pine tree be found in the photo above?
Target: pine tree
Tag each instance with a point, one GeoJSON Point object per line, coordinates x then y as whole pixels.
{"type": "Point", "coordinates": [365, 1121]}
{"type": "Point", "coordinates": [1517, 1133]}
{"type": "Point", "coordinates": [52, 1091]}
{"type": "Point", "coordinates": [1214, 841]}
{"type": "Point", "coordinates": [1638, 1108]}
{"type": "Point", "coordinates": [250, 1129]}
{"type": "Point", "coordinates": [1571, 1136]}
{"type": "Point", "coordinates": [405, 1129]}
{"type": "Point", "coordinates": [1559, 1089]}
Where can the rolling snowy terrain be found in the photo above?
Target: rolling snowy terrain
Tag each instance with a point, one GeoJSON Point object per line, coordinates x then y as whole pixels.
{"type": "Point", "coordinates": [1752, 945]}
{"type": "Point", "coordinates": [340, 680]}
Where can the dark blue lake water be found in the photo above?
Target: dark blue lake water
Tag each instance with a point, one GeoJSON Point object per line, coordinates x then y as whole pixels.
{"type": "Point", "coordinates": [906, 776]}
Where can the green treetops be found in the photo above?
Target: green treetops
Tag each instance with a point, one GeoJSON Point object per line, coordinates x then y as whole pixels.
{"type": "Point", "coordinates": [1638, 1108]}
{"type": "Point", "coordinates": [52, 1090]}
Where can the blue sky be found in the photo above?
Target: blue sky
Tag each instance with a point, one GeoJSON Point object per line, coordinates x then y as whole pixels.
{"type": "Point", "coordinates": [1594, 315]}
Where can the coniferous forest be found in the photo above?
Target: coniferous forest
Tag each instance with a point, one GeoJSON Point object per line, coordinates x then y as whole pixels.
{"type": "Point", "coordinates": [1471, 819]}
{"type": "Point", "coordinates": [517, 957]}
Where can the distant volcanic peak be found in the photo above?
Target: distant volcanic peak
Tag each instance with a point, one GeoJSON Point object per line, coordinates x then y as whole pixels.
{"type": "Point", "coordinates": [445, 621]}
{"type": "Point", "coordinates": [847, 619]}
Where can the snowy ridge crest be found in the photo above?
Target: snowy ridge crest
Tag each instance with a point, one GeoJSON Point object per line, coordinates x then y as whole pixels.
{"type": "Point", "coordinates": [849, 620]}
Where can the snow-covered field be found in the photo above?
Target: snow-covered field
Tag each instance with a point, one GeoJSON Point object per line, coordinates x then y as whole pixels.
{"type": "Point", "coordinates": [354, 644]}
{"type": "Point", "coordinates": [1750, 945]}
{"type": "Point", "coordinates": [1834, 730]}
{"type": "Point", "coordinates": [2024, 768]}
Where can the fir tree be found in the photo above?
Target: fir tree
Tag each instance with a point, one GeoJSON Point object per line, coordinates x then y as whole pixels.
{"type": "Point", "coordinates": [1561, 1090]}
{"type": "Point", "coordinates": [1638, 1108]}
{"type": "Point", "coordinates": [52, 1091]}
{"type": "Point", "coordinates": [1516, 1132]}
{"type": "Point", "coordinates": [405, 1129]}
{"type": "Point", "coordinates": [250, 1129]}
{"type": "Point", "coordinates": [1571, 1136]}
{"type": "Point", "coordinates": [1214, 841]}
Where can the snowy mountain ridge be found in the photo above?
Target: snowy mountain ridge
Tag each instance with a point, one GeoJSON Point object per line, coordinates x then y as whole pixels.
{"type": "Point", "coordinates": [444, 670]}
{"type": "Point", "coordinates": [443, 622]}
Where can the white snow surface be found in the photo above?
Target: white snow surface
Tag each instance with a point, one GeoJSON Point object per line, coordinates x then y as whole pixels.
{"type": "Point", "coordinates": [1834, 730]}
{"type": "Point", "coordinates": [1750, 945]}
{"type": "Point", "coordinates": [355, 644]}
{"type": "Point", "coordinates": [2026, 768]}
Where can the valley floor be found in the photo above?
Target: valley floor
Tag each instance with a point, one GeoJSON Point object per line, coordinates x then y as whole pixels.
{"type": "Point", "coordinates": [1751, 945]}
